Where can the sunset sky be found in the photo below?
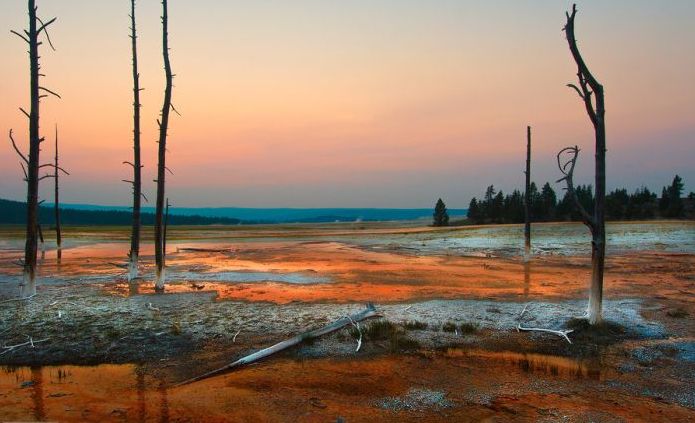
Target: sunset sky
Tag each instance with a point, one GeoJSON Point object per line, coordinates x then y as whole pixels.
{"type": "Point", "coordinates": [374, 103]}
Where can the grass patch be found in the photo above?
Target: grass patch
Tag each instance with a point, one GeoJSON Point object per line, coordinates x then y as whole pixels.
{"type": "Point", "coordinates": [415, 325]}
{"type": "Point", "coordinates": [677, 313]}
{"type": "Point", "coordinates": [449, 327]}
{"type": "Point", "coordinates": [383, 330]}
{"type": "Point", "coordinates": [468, 328]}
{"type": "Point", "coordinates": [603, 333]}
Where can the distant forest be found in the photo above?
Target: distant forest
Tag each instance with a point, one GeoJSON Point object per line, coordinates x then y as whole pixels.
{"type": "Point", "coordinates": [15, 212]}
{"type": "Point", "coordinates": [496, 207]}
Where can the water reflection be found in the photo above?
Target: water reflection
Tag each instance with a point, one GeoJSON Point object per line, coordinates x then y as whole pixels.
{"type": "Point", "coordinates": [527, 279]}
{"type": "Point", "coordinates": [37, 393]}
{"type": "Point", "coordinates": [538, 363]}
{"type": "Point", "coordinates": [78, 393]}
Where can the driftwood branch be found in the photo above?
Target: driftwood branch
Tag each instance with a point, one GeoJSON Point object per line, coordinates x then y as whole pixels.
{"type": "Point", "coordinates": [561, 333]}
{"type": "Point", "coordinates": [367, 313]}
{"type": "Point", "coordinates": [9, 348]}
{"type": "Point", "coordinates": [202, 250]}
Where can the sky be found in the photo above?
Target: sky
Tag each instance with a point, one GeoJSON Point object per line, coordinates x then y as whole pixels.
{"type": "Point", "coordinates": [362, 103]}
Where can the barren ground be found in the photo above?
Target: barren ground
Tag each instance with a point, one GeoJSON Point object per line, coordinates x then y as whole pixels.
{"type": "Point", "coordinates": [449, 350]}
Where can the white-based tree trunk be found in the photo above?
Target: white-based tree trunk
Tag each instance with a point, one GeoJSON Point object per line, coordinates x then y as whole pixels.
{"type": "Point", "coordinates": [28, 285]}
{"type": "Point", "coordinates": [132, 267]}
{"type": "Point", "coordinates": [159, 279]}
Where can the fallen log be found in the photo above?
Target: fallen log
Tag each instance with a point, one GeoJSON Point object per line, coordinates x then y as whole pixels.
{"type": "Point", "coordinates": [367, 313]}
{"type": "Point", "coordinates": [203, 250]}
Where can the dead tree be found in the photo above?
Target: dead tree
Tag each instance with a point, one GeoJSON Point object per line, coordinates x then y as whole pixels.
{"type": "Point", "coordinates": [30, 163]}
{"type": "Point", "coordinates": [136, 164]}
{"type": "Point", "coordinates": [166, 226]}
{"type": "Point", "coordinates": [527, 198]}
{"type": "Point", "coordinates": [56, 201]}
{"type": "Point", "coordinates": [589, 88]}
{"type": "Point", "coordinates": [161, 165]}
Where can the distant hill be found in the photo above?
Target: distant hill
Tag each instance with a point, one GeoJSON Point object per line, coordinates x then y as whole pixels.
{"type": "Point", "coordinates": [14, 212]}
{"type": "Point", "coordinates": [292, 215]}
{"type": "Point", "coordinates": [226, 215]}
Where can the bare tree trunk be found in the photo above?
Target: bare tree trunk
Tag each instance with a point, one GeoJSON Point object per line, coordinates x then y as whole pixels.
{"type": "Point", "coordinates": [56, 204]}
{"type": "Point", "coordinates": [134, 253]}
{"type": "Point", "coordinates": [31, 171]}
{"type": "Point", "coordinates": [166, 226]}
{"type": "Point", "coordinates": [42, 242]}
{"type": "Point", "coordinates": [30, 164]}
{"type": "Point", "coordinates": [161, 167]}
{"type": "Point", "coordinates": [28, 286]}
{"type": "Point", "coordinates": [527, 198]}
{"type": "Point", "coordinates": [587, 88]}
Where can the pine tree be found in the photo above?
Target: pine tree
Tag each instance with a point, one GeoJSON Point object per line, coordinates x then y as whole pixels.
{"type": "Point", "coordinates": [675, 202]}
{"type": "Point", "coordinates": [474, 211]}
{"type": "Point", "coordinates": [441, 216]}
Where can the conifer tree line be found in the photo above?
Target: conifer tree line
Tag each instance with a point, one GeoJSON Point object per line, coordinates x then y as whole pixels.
{"type": "Point", "coordinates": [496, 207]}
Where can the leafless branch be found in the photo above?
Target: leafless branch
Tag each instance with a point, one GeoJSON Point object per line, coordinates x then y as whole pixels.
{"type": "Point", "coordinates": [44, 27]}
{"type": "Point", "coordinates": [17, 149]}
{"type": "Point", "coordinates": [25, 112]}
{"type": "Point", "coordinates": [561, 333]}
{"type": "Point", "coordinates": [567, 169]}
{"type": "Point", "coordinates": [20, 35]}
{"type": "Point", "coordinates": [574, 87]}
{"type": "Point", "coordinates": [50, 92]}
{"type": "Point", "coordinates": [55, 167]}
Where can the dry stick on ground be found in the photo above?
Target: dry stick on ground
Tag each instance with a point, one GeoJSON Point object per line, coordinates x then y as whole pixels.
{"type": "Point", "coordinates": [367, 313]}
{"type": "Point", "coordinates": [588, 89]}
{"type": "Point", "coordinates": [203, 250]}
{"type": "Point", "coordinates": [562, 333]}
{"type": "Point", "coordinates": [31, 342]}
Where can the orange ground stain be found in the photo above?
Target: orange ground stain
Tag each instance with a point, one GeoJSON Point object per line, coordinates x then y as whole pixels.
{"type": "Point", "coordinates": [322, 390]}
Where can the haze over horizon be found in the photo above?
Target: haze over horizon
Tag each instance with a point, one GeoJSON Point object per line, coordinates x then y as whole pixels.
{"type": "Point", "coordinates": [363, 104]}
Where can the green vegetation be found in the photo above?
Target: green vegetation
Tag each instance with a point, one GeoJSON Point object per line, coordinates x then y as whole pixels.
{"type": "Point", "coordinates": [468, 328]}
{"type": "Point", "coordinates": [495, 207]}
{"type": "Point", "coordinates": [677, 313]}
{"type": "Point", "coordinates": [415, 325]}
{"type": "Point", "coordinates": [383, 330]}
{"type": "Point", "coordinates": [14, 212]}
{"type": "Point", "coordinates": [449, 327]}
{"type": "Point", "coordinates": [440, 215]}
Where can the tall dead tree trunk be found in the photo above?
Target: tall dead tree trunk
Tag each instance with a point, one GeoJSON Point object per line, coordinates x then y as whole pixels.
{"type": "Point", "coordinates": [527, 198]}
{"type": "Point", "coordinates": [588, 88]}
{"type": "Point", "coordinates": [161, 166]}
{"type": "Point", "coordinates": [166, 226]}
{"type": "Point", "coordinates": [31, 171]}
{"type": "Point", "coordinates": [136, 164]}
{"type": "Point", "coordinates": [56, 201]}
